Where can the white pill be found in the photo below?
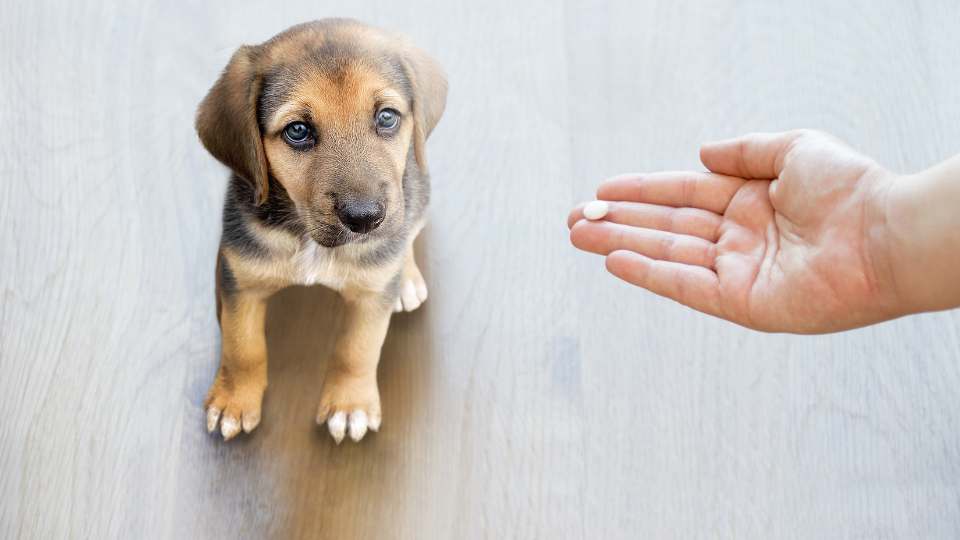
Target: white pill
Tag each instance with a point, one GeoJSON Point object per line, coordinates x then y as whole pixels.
{"type": "Point", "coordinates": [596, 209]}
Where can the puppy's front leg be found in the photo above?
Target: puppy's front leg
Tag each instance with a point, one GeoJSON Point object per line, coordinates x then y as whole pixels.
{"type": "Point", "coordinates": [350, 398]}
{"type": "Point", "coordinates": [413, 289]}
{"type": "Point", "coordinates": [237, 391]}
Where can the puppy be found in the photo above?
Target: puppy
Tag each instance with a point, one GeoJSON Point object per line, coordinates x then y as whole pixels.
{"type": "Point", "coordinates": [324, 128]}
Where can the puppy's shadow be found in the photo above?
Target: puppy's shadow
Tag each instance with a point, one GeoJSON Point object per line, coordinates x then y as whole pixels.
{"type": "Point", "coordinates": [319, 485]}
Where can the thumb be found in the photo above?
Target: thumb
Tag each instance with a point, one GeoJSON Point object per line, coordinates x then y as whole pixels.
{"type": "Point", "coordinates": [754, 156]}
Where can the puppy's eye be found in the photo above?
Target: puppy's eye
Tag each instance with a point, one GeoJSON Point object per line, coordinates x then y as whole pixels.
{"type": "Point", "coordinates": [298, 134]}
{"type": "Point", "coordinates": [387, 119]}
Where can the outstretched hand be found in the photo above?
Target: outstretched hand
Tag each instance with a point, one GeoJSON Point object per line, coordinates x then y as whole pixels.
{"type": "Point", "coordinates": [787, 232]}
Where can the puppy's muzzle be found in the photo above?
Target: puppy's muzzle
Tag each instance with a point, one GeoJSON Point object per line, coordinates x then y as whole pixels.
{"type": "Point", "coordinates": [361, 215]}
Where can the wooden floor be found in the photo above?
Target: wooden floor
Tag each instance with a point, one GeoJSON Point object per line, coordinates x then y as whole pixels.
{"type": "Point", "coordinates": [534, 396]}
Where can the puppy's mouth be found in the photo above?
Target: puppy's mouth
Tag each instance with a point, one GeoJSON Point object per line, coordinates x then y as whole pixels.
{"type": "Point", "coordinates": [331, 236]}
{"type": "Point", "coordinates": [332, 233]}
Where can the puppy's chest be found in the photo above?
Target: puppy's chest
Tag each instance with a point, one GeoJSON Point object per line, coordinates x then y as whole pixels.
{"type": "Point", "coordinates": [315, 265]}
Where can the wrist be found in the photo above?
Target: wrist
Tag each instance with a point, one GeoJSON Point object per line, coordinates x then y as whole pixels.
{"type": "Point", "coordinates": [881, 231]}
{"type": "Point", "coordinates": [922, 216]}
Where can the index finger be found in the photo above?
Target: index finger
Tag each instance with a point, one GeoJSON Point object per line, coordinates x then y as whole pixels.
{"type": "Point", "coordinates": [755, 156]}
{"type": "Point", "coordinates": [707, 191]}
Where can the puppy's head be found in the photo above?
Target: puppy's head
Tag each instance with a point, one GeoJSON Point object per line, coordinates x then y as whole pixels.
{"type": "Point", "coordinates": [330, 110]}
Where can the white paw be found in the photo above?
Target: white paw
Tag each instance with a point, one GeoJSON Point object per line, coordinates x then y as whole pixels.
{"type": "Point", "coordinates": [413, 292]}
{"type": "Point", "coordinates": [356, 425]}
{"type": "Point", "coordinates": [234, 405]}
{"type": "Point", "coordinates": [349, 406]}
{"type": "Point", "coordinates": [231, 422]}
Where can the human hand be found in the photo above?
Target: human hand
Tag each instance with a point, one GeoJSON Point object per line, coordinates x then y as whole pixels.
{"type": "Point", "coordinates": [787, 233]}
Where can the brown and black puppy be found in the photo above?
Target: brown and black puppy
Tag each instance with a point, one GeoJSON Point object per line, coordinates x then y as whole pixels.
{"type": "Point", "coordinates": [324, 127]}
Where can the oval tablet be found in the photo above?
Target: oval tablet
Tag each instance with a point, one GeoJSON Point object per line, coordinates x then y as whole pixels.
{"type": "Point", "coordinates": [595, 210]}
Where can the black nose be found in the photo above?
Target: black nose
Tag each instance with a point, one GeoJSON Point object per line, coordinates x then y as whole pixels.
{"type": "Point", "coordinates": [360, 216]}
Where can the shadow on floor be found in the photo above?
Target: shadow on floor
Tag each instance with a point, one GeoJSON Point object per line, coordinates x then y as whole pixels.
{"type": "Point", "coordinates": [289, 478]}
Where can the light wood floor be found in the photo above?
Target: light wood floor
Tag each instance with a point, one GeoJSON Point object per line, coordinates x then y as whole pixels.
{"type": "Point", "coordinates": [534, 396]}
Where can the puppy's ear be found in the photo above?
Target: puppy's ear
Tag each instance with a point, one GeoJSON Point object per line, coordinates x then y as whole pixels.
{"type": "Point", "coordinates": [429, 85]}
{"type": "Point", "coordinates": [227, 121]}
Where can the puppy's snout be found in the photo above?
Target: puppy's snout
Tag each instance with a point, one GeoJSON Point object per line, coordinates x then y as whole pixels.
{"type": "Point", "coordinates": [360, 216]}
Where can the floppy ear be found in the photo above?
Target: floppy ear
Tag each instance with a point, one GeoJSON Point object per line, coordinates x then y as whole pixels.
{"type": "Point", "coordinates": [429, 86]}
{"type": "Point", "coordinates": [227, 121]}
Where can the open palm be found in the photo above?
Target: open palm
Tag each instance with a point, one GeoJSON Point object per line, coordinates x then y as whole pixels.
{"type": "Point", "coordinates": [784, 233]}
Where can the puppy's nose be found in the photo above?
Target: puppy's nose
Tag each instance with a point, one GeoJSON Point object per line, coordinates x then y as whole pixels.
{"type": "Point", "coordinates": [360, 216]}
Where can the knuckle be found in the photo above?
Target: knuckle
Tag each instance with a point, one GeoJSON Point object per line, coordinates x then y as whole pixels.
{"type": "Point", "coordinates": [672, 220]}
{"type": "Point", "coordinates": [668, 247]}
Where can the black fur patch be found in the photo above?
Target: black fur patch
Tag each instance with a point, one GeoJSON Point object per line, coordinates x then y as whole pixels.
{"type": "Point", "coordinates": [278, 83]}
{"type": "Point", "coordinates": [238, 210]}
{"type": "Point", "coordinates": [416, 190]}
{"type": "Point", "coordinates": [228, 281]}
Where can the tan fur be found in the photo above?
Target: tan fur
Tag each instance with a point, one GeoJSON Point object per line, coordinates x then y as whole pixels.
{"type": "Point", "coordinates": [237, 391]}
{"type": "Point", "coordinates": [351, 380]}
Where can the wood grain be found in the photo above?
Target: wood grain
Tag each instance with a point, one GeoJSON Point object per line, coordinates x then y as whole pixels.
{"type": "Point", "coordinates": [534, 396]}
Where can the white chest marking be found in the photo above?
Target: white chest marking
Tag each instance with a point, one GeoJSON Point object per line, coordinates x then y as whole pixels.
{"type": "Point", "coordinates": [315, 265]}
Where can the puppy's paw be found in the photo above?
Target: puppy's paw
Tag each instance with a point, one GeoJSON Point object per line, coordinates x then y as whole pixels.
{"type": "Point", "coordinates": [233, 403]}
{"type": "Point", "coordinates": [349, 405]}
{"type": "Point", "coordinates": [413, 289]}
